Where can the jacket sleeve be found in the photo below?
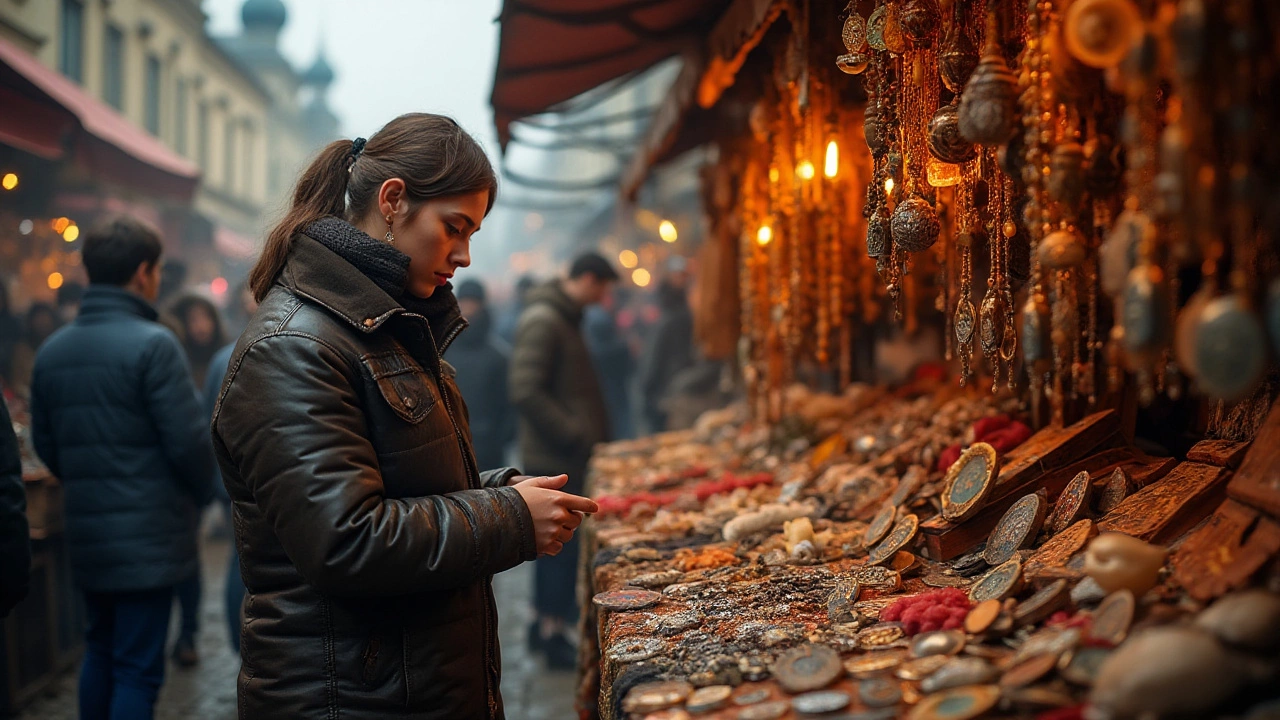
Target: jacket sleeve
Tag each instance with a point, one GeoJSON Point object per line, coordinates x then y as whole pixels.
{"type": "Point", "coordinates": [533, 365]}
{"type": "Point", "coordinates": [183, 428]}
{"type": "Point", "coordinates": [15, 540]}
{"type": "Point", "coordinates": [498, 477]}
{"type": "Point", "coordinates": [291, 423]}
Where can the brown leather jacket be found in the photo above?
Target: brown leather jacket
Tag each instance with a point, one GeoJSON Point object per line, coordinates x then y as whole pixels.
{"type": "Point", "coordinates": [367, 536]}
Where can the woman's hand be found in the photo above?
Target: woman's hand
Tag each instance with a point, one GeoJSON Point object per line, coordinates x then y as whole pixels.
{"type": "Point", "coordinates": [555, 514]}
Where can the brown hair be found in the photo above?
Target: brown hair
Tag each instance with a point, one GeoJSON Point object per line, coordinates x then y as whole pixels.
{"type": "Point", "coordinates": [433, 155]}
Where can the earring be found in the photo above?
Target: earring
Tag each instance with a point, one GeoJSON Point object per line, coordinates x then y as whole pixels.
{"type": "Point", "coordinates": [391, 239]}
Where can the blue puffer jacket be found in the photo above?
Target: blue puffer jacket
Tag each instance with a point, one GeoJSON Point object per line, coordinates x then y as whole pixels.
{"type": "Point", "coordinates": [116, 417]}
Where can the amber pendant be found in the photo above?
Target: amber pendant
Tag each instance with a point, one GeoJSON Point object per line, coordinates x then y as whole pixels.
{"type": "Point", "coordinates": [1231, 349]}
{"type": "Point", "coordinates": [920, 20]}
{"type": "Point", "coordinates": [894, 41]}
{"type": "Point", "coordinates": [988, 105]}
{"type": "Point", "coordinates": [944, 141]}
{"type": "Point", "coordinates": [957, 58]}
{"type": "Point", "coordinates": [915, 225]}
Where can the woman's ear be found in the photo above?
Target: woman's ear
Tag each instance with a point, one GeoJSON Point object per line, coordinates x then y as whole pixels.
{"type": "Point", "coordinates": [391, 197]}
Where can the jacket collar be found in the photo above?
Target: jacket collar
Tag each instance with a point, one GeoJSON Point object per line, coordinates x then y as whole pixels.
{"type": "Point", "coordinates": [109, 299]}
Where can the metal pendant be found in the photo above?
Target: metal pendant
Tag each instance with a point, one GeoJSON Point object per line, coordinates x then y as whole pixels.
{"type": "Point", "coordinates": [920, 20]}
{"type": "Point", "coordinates": [875, 28]}
{"type": "Point", "coordinates": [988, 106]}
{"type": "Point", "coordinates": [991, 319]}
{"type": "Point", "coordinates": [877, 236]}
{"type": "Point", "coordinates": [915, 225]}
{"type": "Point", "coordinates": [1231, 349]}
{"type": "Point", "coordinates": [1099, 33]}
{"type": "Point", "coordinates": [964, 321]}
{"type": "Point", "coordinates": [894, 40]}
{"type": "Point", "coordinates": [1062, 250]}
{"type": "Point", "coordinates": [854, 32]}
{"type": "Point", "coordinates": [957, 58]}
{"type": "Point", "coordinates": [1145, 312]}
{"type": "Point", "coordinates": [944, 141]}
{"type": "Point", "coordinates": [1036, 327]}
{"type": "Point", "coordinates": [1066, 173]}
{"type": "Point", "coordinates": [1119, 253]}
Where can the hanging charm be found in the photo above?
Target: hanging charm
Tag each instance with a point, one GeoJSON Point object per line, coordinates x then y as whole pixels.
{"type": "Point", "coordinates": [944, 140]}
{"type": "Point", "coordinates": [958, 57]}
{"type": "Point", "coordinates": [1230, 349]}
{"type": "Point", "coordinates": [854, 36]}
{"type": "Point", "coordinates": [920, 20]}
{"type": "Point", "coordinates": [1099, 33]}
{"type": "Point", "coordinates": [915, 225]}
{"type": "Point", "coordinates": [988, 106]}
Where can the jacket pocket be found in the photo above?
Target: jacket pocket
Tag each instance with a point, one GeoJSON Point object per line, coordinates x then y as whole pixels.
{"type": "Point", "coordinates": [403, 383]}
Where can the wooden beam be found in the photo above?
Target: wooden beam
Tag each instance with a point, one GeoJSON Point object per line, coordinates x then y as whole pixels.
{"type": "Point", "coordinates": [1161, 512]}
{"type": "Point", "coordinates": [1227, 552]}
{"type": "Point", "coordinates": [1258, 481]}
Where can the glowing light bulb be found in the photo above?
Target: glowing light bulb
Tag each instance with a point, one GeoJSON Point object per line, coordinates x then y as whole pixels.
{"type": "Point", "coordinates": [667, 231]}
{"type": "Point", "coordinates": [888, 186]}
{"type": "Point", "coordinates": [9, 181]}
{"type": "Point", "coordinates": [61, 224]}
{"type": "Point", "coordinates": [774, 175]}
{"type": "Point", "coordinates": [71, 233]}
{"type": "Point", "coordinates": [218, 286]}
{"type": "Point", "coordinates": [640, 277]}
{"type": "Point", "coordinates": [628, 259]}
{"type": "Point", "coordinates": [832, 166]}
{"type": "Point", "coordinates": [805, 170]}
{"type": "Point", "coordinates": [55, 280]}
{"type": "Point", "coordinates": [764, 236]}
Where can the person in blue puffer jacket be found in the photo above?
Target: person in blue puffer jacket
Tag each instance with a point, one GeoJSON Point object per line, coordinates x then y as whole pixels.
{"type": "Point", "coordinates": [116, 416]}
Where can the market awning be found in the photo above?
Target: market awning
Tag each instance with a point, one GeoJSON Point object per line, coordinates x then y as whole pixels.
{"type": "Point", "coordinates": [553, 50]}
{"type": "Point", "coordinates": [111, 146]}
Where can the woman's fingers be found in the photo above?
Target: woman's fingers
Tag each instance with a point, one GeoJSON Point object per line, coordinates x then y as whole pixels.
{"type": "Point", "coordinates": [580, 504]}
{"type": "Point", "coordinates": [565, 534]}
{"type": "Point", "coordinates": [553, 548]}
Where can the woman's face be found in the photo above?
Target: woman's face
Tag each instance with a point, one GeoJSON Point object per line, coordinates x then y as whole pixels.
{"type": "Point", "coordinates": [200, 325]}
{"type": "Point", "coordinates": [437, 239]}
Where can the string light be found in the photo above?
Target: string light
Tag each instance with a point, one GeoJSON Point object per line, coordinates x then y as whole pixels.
{"type": "Point", "coordinates": [61, 224]}
{"type": "Point", "coordinates": [667, 231]}
{"type": "Point", "coordinates": [71, 233]}
{"type": "Point", "coordinates": [9, 181]}
{"type": "Point", "coordinates": [832, 165]}
{"type": "Point", "coordinates": [628, 259]}
{"type": "Point", "coordinates": [764, 235]}
{"type": "Point", "coordinates": [805, 170]}
{"type": "Point", "coordinates": [55, 280]}
{"type": "Point", "coordinates": [640, 277]}
{"type": "Point", "coordinates": [218, 286]}
{"type": "Point", "coordinates": [888, 186]}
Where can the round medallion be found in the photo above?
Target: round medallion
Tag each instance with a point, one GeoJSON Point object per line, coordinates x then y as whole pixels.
{"type": "Point", "coordinates": [1081, 666]}
{"type": "Point", "coordinates": [1029, 671]}
{"type": "Point", "coordinates": [751, 697]}
{"type": "Point", "coordinates": [944, 141]}
{"type": "Point", "coordinates": [900, 537]}
{"type": "Point", "coordinates": [998, 584]}
{"type": "Point", "coordinates": [1046, 601]}
{"type": "Point", "coordinates": [1016, 530]}
{"type": "Point", "coordinates": [1099, 33]}
{"type": "Point", "coordinates": [991, 322]}
{"type": "Point", "coordinates": [1061, 547]}
{"type": "Point", "coordinates": [655, 696]}
{"type": "Point", "coordinates": [957, 58]}
{"type": "Point", "coordinates": [1113, 617]}
{"type": "Point", "coordinates": [915, 225]}
{"type": "Point", "coordinates": [1062, 250]}
{"type": "Point", "coordinates": [808, 667]}
{"type": "Point", "coordinates": [921, 668]}
{"type": "Point", "coordinates": [964, 320]}
{"type": "Point", "coordinates": [864, 666]}
{"type": "Point", "coordinates": [708, 698]}
{"type": "Point", "coordinates": [656, 580]}
{"type": "Point", "coordinates": [959, 672]}
{"type": "Point", "coordinates": [879, 526]}
{"type": "Point", "coordinates": [771, 710]}
{"type": "Point", "coordinates": [632, 650]}
{"type": "Point", "coordinates": [968, 482]}
{"type": "Point", "coordinates": [879, 692]}
{"type": "Point", "coordinates": [982, 616]}
{"type": "Point", "coordinates": [988, 105]}
{"type": "Point", "coordinates": [938, 642]}
{"type": "Point", "coordinates": [854, 32]}
{"type": "Point", "coordinates": [960, 704]}
{"type": "Point", "coordinates": [879, 636]}
{"type": "Point", "coordinates": [875, 28]}
{"type": "Point", "coordinates": [618, 600]}
{"type": "Point", "coordinates": [821, 701]}
{"type": "Point", "coordinates": [1072, 504]}
{"type": "Point", "coordinates": [1231, 349]}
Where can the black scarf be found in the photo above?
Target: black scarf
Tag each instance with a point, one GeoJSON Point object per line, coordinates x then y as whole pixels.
{"type": "Point", "coordinates": [388, 268]}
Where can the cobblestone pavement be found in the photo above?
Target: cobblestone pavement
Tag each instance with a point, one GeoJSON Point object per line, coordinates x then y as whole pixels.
{"type": "Point", "coordinates": [208, 692]}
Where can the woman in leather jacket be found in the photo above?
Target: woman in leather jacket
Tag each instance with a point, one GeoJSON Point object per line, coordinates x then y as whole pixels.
{"type": "Point", "coordinates": [367, 535]}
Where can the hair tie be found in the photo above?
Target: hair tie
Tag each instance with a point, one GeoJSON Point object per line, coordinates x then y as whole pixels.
{"type": "Point", "coordinates": [357, 147]}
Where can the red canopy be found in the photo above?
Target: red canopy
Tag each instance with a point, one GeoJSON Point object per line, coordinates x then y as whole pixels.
{"type": "Point", "coordinates": [41, 105]}
{"type": "Point", "coordinates": [554, 50]}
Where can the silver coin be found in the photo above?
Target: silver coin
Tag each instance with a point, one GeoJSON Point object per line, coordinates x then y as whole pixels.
{"type": "Point", "coordinates": [635, 649]}
{"type": "Point", "coordinates": [822, 701]}
{"type": "Point", "coordinates": [752, 697]}
{"type": "Point", "coordinates": [765, 711]}
{"type": "Point", "coordinates": [958, 673]}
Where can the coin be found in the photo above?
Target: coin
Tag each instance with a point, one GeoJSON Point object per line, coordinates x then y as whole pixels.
{"type": "Point", "coordinates": [1049, 641]}
{"type": "Point", "coordinates": [879, 526]}
{"type": "Point", "coordinates": [654, 696]}
{"type": "Point", "coordinates": [1062, 546]}
{"type": "Point", "coordinates": [808, 667]}
{"type": "Point", "coordinates": [1072, 504]}
{"type": "Point", "coordinates": [655, 580]}
{"type": "Point", "coordinates": [1029, 671]}
{"type": "Point", "coordinates": [1081, 666]}
{"type": "Point", "coordinates": [879, 692]}
{"type": "Point", "coordinates": [937, 642]}
{"type": "Point", "coordinates": [765, 711]}
{"type": "Point", "coordinates": [1039, 697]}
{"type": "Point", "coordinates": [900, 537]}
{"type": "Point", "coordinates": [959, 704]}
{"type": "Point", "coordinates": [1117, 488]}
{"type": "Point", "coordinates": [968, 482]}
{"type": "Point", "coordinates": [626, 599]}
{"type": "Point", "coordinates": [959, 672]}
{"type": "Point", "coordinates": [944, 580]}
{"type": "Point", "coordinates": [904, 563]}
{"type": "Point", "coordinates": [631, 650]}
{"type": "Point", "coordinates": [867, 665]}
{"type": "Point", "coordinates": [751, 697]}
{"type": "Point", "coordinates": [921, 668]}
{"type": "Point", "coordinates": [708, 698]}
{"type": "Point", "coordinates": [1045, 602]}
{"type": "Point", "coordinates": [821, 701]}
{"type": "Point", "coordinates": [981, 616]}
{"type": "Point", "coordinates": [875, 576]}
{"type": "Point", "coordinates": [1113, 617]}
{"type": "Point", "coordinates": [1016, 530]}
{"type": "Point", "coordinates": [879, 636]}
{"type": "Point", "coordinates": [998, 584]}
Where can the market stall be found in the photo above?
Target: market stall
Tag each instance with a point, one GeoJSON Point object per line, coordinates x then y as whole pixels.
{"type": "Point", "coordinates": [1074, 512]}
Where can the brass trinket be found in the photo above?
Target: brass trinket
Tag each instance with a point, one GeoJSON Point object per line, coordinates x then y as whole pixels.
{"type": "Point", "coordinates": [968, 482]}
{"type": "Point", "coordinates": [915, 225]}
{"type": "Point", "coordinates": [981, 617]}
{"type": "Point", "coordinates": [957, 58]}
{"type": "Point", "coordinates": [944, 141]}
{"type": "Point", "coordinates": [867, 665]}
{"type": "Point", "coordinates": [880, 636]}
{"type": "Point", "coordinates": [988, 105]}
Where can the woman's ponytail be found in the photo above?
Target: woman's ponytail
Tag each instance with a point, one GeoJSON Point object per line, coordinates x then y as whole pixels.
{"type": "Point", "coordinates": [321, 192]}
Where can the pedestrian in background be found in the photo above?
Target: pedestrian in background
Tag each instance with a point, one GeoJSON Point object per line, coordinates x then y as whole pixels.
{"type": "Point", "coordinates": [481, 365]}
{"type": "Point", "coordinates": [10, 335]}
{"type": "Point", "coordinates": [613, 361]}
{"type": "Point", "coordinates": [15, 536]}
{"type": "Point", "coordinates": [519, 299]}
{"type": "Point", "coordinates": [41, 322]}
{"type": "Point", "coordinates": [69, 297]}
{"type": "Point", "coordinates": [562, 417]}
{"type": "Point", "coordinates": [670, 345]}
{"type": "Point", "coordinates": [115, 416]}
{"type": "Point", "coordinates": [202, 334]}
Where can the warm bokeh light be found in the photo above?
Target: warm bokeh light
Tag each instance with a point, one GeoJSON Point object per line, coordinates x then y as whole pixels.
{"type": "Point", "coordinates": [218, 286]}
{"type": "Point", "coordinates": [667, 231]}
{"type": "Point", "coordinates": [9, 181]}
{"type": "Point", "coordinates": [628, 259]}
{"type": "Point", "coordinates": [764, 235]}
{"type": "Point", "coordinates": [26, 226]}
{"type": "Point", "coordinates": [888, 186]}
{"type": "Point", "coordinates": [941, 174]}
{"type": "Point", "coordinates": [640, 277]}
{"type": "Point", "coordinates": [805, 170]}
{"type": "Point", "coordinates": [61, 224]}
{"type": "Point", "coordinates": [774, 175]}
{"type": "Point", "coordinates": [832, 165]}
{"type": "Point", "coordinates": [55, 280]}
{"type": "Point", "coordinates": [71, 233]}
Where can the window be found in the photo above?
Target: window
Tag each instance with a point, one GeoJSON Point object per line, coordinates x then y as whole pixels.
{"type": "Point", "coordinates": [229, 152]}
{"type": "Point", "coordinates": [71, 61]}
{"type": "Point", "coordinates": [113, 67]}
{"type": "Point", "coordinates": [202, 135]}
{"type": "Point", "coordinates": [180, 116]}
{"type": "Point", "coordinates": [153, 94]}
